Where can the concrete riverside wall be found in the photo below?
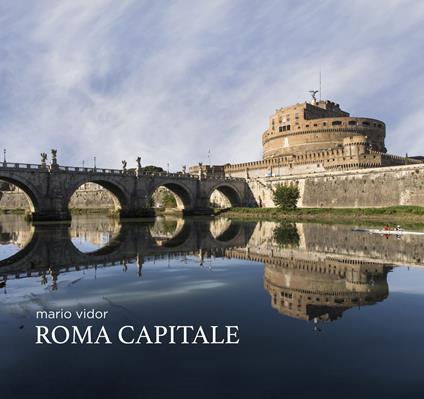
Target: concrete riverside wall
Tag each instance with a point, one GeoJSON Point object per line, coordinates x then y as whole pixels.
{"type": "Point", "coordinates": [371, 188]}
{"type": "Point", "coordinates": [13, 200]}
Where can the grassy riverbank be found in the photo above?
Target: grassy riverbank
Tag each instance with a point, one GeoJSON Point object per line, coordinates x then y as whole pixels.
{"type": "Point", "coordinates": [396, 214]}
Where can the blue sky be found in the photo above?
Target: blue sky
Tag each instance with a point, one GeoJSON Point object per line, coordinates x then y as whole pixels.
{"type": "Point", "coordinates": [168, 80]}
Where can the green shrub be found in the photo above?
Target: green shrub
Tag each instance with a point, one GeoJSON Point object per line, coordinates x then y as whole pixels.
{"type": "Point", "coordinates": [285, 197]}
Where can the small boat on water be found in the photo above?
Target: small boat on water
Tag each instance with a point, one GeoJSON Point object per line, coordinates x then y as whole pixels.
{"type": "Point", "coordinates": [393, 232]}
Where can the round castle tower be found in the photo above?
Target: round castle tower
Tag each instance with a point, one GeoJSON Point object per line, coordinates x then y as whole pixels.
{"type": "Point", "coordinates": [355, 145]}
{"type": "Point", "coordinates": [320, 125]}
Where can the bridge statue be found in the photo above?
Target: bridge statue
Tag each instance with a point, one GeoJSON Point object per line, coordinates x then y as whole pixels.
{"type": "Point", "coordinates": [138, 160]}
{"type": "Point", "coordinates": [54, 165]}
{"type": "Point", "coordinates": [124, 165]}
{"type": "Point", "coordinates": [43, 159]}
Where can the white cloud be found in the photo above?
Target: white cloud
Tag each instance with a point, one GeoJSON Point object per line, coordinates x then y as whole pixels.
{"type": "Point", "coordinates": [169, 80]}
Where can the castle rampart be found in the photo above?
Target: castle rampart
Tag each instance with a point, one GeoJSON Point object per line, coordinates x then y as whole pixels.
{"type": "Point", "coordinates": [361, 188]}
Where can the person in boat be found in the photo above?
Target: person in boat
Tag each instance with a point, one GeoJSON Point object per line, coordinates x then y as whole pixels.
{"type": "Point", "coordinates": [386, 227]}
{"type": "Point", "coordinates": [398, 228]}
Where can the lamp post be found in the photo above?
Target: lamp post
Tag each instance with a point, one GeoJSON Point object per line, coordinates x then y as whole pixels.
{"type": "Point", "coordinates": [94, 162]}
{"type": "Point", "coordinates": [167, 166]}
{"type": "Point", "coordinates": [4, 155]}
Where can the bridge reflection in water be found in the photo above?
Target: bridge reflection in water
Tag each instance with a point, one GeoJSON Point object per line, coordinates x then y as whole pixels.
{"type": "Point", "coordinates": [311, 272]}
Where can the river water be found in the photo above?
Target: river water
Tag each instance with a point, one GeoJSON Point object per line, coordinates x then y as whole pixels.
{"type": "Point", "coordinates": [321, 310]}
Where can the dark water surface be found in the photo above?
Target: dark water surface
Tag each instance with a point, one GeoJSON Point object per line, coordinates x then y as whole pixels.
{"type": "Point", "coordinates": [323, 311]}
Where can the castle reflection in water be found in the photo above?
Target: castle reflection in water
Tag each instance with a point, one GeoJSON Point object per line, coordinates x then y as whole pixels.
{"type": "Point", "coordinates": [311, 271]}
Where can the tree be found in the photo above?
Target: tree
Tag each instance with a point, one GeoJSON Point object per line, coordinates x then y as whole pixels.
{"type": "Point", "coordinates": [151, 169]}
{"type": "Point", "coordinates": [168, 200]}
{"type": "Point", "coordinates": [285, 197]}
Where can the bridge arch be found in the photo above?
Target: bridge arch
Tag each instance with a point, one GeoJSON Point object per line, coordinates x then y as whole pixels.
{"type": "Point", "coordinates": [183, 195]}
{"type": "Point", "coordinates": [29, 190]}
{"type": "Point", "coordinates": [119, 195]}
{"type": "Point", "coordinates": [180, 234]}
{"type": "Point", "coordinates": [224, 230]}
{"type": "Point", "coordinates": [21, 251]}
{"type": "Point", "coordinates": [224, 195]}
{"type": "Point", "coordinates": [96, 236]}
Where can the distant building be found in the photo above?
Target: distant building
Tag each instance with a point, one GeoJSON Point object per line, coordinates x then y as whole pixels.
{"type": "Point", "coordinates": [207, 170]}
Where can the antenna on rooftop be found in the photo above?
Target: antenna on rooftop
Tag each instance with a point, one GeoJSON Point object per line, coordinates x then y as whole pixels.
{"type": "Point", "coordinates": [320, 84]}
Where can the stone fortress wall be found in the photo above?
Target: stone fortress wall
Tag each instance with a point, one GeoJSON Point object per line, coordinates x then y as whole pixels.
{"type": "Point", "coordinates": [352, 155]}
{"type": "Point", "coordinates": [361, 188]}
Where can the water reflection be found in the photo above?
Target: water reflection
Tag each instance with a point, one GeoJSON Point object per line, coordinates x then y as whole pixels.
{"type": "Point", "coordinates": [89, 234]}
{"type": "Point", "coordinates": [311, 272]}
{"type": "Point", "coordinates": [15, 234]}
{"type": "Point", "coordinates": [322, 289]}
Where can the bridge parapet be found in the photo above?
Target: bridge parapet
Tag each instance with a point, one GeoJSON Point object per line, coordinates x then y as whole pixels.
{"type": "Point", "coordinates": [19, 166]}
{"type": "Point", "coordinates": [109, 171]}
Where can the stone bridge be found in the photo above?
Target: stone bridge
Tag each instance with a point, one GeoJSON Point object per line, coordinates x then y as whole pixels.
{"type": "Point", "coordinates": [50, 188]}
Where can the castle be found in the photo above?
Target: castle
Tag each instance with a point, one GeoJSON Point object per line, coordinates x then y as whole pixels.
{"type": "Point", "coordinates": [313, 137]}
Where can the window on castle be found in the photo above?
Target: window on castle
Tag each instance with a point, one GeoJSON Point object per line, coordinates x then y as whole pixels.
{"type": "Point", "coordinates": [366, 123]}
{"type": "Point", "coordinates": [280, 129]}
{"type": "Point", "coordinates": [352, 123]}
{"type": "Point", "coordinates": [306, 125]}
{"type": "Point", "coordinates": [288, 127]}
{"type": "Point", "coordinates": [336, 123]}
{"type": "Point", "coordinates": [324, 123]}
{"type": "Point", "coordinates": [379, 125]}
